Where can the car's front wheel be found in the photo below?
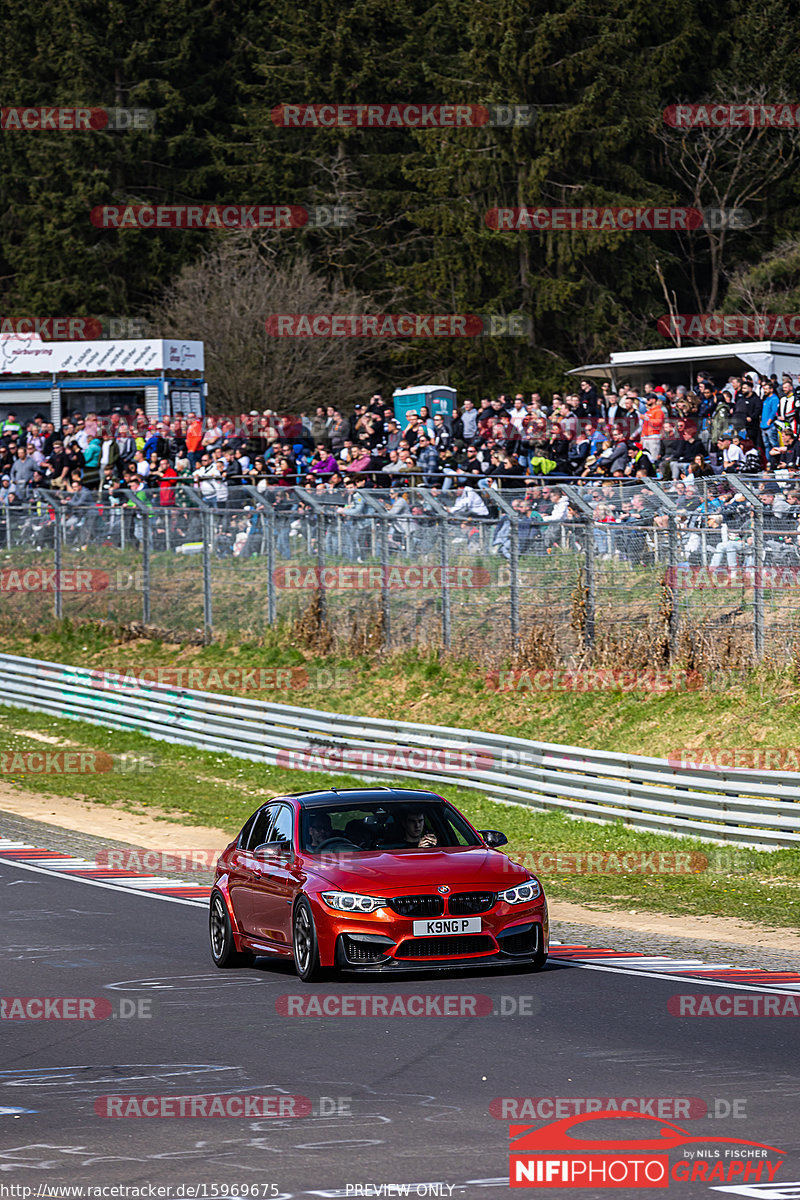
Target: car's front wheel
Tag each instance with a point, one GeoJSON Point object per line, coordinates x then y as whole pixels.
{"type": "Point", "coordinates": [304, 942]}
{"type": "Point", "coordinates": [223, 947]}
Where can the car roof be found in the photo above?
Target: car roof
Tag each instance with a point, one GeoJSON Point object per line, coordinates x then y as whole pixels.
{"type": "Point", "coordinates": [349, 796]}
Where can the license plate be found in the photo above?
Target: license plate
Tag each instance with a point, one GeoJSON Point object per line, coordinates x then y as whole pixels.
{"type": "Point", "coordinates": [447, 925]}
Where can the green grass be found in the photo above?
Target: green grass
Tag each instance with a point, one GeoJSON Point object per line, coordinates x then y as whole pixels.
{"type": "Point", "coordinates": [762, 709]}
{"type": "Point", "coordinates": [181, 785]}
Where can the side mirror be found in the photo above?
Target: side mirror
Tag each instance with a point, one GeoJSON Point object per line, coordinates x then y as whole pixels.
{"type": "Point", "coordinates": [493, 837]}
{"type": "Point", "coordinates": [267, 849]}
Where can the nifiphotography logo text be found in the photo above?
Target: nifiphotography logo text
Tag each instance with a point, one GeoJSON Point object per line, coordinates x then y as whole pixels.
{"type": "Point", "coordinates": [569, 1154]}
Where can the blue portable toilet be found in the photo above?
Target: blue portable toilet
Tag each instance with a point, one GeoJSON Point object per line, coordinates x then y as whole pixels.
{"type": "Point", "coordinates": [438, 399]}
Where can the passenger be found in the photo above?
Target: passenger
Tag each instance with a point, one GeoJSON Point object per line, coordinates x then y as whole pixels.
{"type": "Point", "coordinates": [412, 825]}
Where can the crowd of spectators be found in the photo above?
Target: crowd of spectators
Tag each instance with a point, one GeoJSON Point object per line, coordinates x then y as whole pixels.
{"type": "Point", "coordinates": [595, 435]}
{"type": "Point", "coordinates": [748, 424]}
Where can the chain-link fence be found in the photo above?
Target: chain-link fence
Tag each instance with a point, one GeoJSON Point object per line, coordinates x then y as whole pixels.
{"type": "Point", "coordinates": [613, 571]}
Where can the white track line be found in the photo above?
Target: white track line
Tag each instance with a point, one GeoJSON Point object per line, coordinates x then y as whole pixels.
{"type": "Point", "coordinates": [127, 889]}
{"type": "Point", "coordinates": [112, 887]}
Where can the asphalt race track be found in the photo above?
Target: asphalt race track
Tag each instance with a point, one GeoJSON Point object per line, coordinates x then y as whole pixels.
{"type": "Point", "coordinates": [394, 1100]}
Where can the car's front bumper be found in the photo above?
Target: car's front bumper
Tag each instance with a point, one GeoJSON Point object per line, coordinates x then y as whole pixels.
{"type": "Point", "coordinates": [372, 953]}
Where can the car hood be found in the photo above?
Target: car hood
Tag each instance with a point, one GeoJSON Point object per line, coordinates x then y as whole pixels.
{"type": "Point", "coordinates": [418, 871]}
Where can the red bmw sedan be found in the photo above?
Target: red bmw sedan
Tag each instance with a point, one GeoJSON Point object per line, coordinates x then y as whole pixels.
{"type": "Point", "coordinates": [373, 880]}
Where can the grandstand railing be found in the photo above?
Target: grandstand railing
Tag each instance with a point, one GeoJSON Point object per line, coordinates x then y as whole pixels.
{"type": "Point", "coordinates": [621, 552]}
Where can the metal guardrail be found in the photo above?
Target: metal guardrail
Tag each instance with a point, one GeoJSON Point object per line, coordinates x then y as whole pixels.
{"type": "Point", "coordinates": [739, 807]}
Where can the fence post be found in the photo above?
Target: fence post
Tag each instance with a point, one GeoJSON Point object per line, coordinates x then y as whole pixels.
{"type": "Point", "coordinates": [513, 563]}
{"type": "Point", "coordinates": [58, 535]}
{"type": "Point", "coordinates": [270, 519]}
{"type": "Point", "coordinates": [146, 566]}
{"type": "Point", "coordinates": [672, 576]}
{"type": "Point", "coordinates": [757, 506]}
{"type": "Point", "coordinates": [445, 562]}
{"type": "Point", "coordinates": [758, 584]}
{"type": "Point", "coordinates": [207, 612]}
{"type": "Point", "coordinates": [386, 613]}
{"type": "Point", "coordinates": [590, 608]}
{"type": "Point", "coordinates": [323, 599]}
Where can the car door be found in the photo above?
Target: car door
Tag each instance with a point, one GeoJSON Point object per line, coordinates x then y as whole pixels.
{"type": "Point", "coordinates": [275, 880]}
{"type": "Point", "coordinates": [247, 868]}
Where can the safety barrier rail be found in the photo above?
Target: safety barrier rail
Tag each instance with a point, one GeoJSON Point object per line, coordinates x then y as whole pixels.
{"type": "Point", "coordinates": [737, 806]}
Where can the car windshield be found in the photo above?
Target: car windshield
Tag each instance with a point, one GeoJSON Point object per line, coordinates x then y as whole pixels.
{"type": "Point", "coordinates": [378, 825]}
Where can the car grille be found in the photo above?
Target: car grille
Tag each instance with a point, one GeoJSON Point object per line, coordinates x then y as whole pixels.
{"type": "Point", "coordinates": [417, 906]}
{"type": "Point", "coordinates": [446, 947]}
{"type": "Point", "coordinates": [363, 952]}
{"type": "Point", "coordinates": [470, 902]}
{"type": "Point", "coordinates": [519, 943]}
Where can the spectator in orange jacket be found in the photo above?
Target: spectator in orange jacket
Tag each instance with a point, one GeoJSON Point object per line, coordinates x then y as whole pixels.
{"type": "Point", "coordinates": [194, 439]}
{"type": "Point", "coordinates": [652, 424]}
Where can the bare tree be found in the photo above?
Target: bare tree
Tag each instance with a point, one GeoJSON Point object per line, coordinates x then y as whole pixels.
{"type": "Point", "coordinates": [724, 168]}
{"type": "Point", "coordinates": [772, 285]}
{"type": "Point", "coordinates": [224, 301]}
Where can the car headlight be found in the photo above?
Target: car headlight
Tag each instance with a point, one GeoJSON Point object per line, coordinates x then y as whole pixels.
{"type": "Point", "coordinates": [523, 893]}
{"type": "Point", "coordinates": [353, 902]}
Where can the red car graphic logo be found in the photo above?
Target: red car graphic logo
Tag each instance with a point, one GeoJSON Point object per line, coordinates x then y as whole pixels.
{"type": "Point", "coordinates": [557, 1137]}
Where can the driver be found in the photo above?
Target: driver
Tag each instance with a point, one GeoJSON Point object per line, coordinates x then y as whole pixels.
{"type": "Point", "coordinates": [320, 829]}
